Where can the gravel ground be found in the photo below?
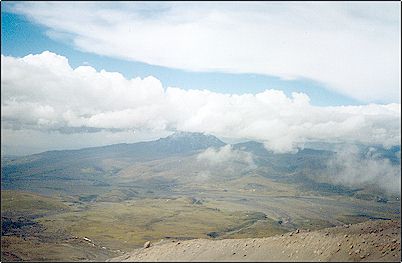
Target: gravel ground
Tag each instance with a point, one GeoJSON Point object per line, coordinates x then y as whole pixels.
{"type": "Point", "coordinates": [368, 241]}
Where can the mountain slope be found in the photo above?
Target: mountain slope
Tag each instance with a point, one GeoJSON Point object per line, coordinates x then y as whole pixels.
{"type": "Point", "coordinates": [100, 162]}
{"type": "Point", "coordinates": [368, 241]}
{"type": "Point", "coordinates": [177, 143]}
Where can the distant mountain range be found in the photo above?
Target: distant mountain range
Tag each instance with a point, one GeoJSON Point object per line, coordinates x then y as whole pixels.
{"type": "Point", "coordinates": [108, 165]}
{"type": "Point", "coordinates": [187, 142]}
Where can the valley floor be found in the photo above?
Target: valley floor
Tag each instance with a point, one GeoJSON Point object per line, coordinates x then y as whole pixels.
{"type": "Point", "coordinates": [378, 240]}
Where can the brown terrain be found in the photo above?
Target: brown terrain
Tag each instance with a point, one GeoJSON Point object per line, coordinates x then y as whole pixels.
{"type": "Point", "coordinates": [369, 241]}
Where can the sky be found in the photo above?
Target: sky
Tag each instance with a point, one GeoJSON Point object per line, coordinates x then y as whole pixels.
{"type": "Point", "coordinates": [86, 74]}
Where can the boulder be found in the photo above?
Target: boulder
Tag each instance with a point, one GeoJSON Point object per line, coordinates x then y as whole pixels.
{"type": "Point", "coordinates": [147, 244]}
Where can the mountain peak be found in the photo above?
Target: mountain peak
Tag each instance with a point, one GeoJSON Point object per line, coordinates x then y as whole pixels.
{"type": "Point", "coordinates": [183, 134]}
{"type": "Point", "coordinates": [192, 140]}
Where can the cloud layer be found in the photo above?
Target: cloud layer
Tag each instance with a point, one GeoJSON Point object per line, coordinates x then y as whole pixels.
{"type": "Point", "coordinates": [43, 93]}
{"type": "Point", "coordinates": [353, 48]}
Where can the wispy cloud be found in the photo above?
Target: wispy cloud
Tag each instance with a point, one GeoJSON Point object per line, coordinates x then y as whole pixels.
{"type": "Point", "coordinates": [43, 93]}
{"type": "Point", "coordinates": [351, 168]}
{"type": "Point", "coordinates": [226, 154]}
{"type": "Point", "coordinates": [353, 48]}
{"type": "Point", "coordinates": [224, 161]}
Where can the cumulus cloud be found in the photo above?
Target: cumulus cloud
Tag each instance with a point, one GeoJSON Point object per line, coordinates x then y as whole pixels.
{"type": "Point", "coordinates": [43, 93]}
{"type": "Point", "coordinates": [350, 167]}
{"type": "Point", "coordinates": [353, 48]}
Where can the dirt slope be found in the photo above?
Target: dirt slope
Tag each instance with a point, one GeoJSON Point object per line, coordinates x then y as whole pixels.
{"type": "Point", "coordinates": [368, 241]}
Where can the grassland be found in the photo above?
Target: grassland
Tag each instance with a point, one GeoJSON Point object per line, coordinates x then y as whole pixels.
{"type": "Point", "coordinates": [129, 224]}
{"type": "Point", "coordinates": [30, 204]}
{"type": "Point", "coordinates": [65, 228]}
{"type": "Point", "coordinates": [61, 227]}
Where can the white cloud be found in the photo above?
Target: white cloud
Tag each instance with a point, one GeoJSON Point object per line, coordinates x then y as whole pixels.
{"type": "Point", "coordinates": [224, 161]}
{"type": "Point", "coordinates": [350, 168]}
{"type": "Point", "coordinates": [226, 154]}
{"type": "Point", "coordinates": [353, 48]}
{"type": "Point", "coordinates": [43, 93]}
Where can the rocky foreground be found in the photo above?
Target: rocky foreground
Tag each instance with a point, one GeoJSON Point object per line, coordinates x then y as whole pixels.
{"type": "Point", "coordinates": [368, 241]}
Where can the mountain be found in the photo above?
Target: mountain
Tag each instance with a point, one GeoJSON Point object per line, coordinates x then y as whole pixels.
{"type": "Point", "coordinates": [97, 163]}
{"type": "Point", "coordinates": [168, 162]}
{"type": "Point", "coordinates": [256, 148]}
{"type": "Point", "coordinates": [184, 142]}
{"type": "Point", "coordinates": [177, 143]}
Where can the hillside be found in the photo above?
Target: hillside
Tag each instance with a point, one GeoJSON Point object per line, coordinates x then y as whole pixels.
{"type": "Point", "coordinates": [368, 241]}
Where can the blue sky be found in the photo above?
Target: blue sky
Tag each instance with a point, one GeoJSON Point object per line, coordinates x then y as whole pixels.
{"type": "Point", "coordinates": [21, 37]}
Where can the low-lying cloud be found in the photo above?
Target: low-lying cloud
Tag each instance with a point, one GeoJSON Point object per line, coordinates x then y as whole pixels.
{"type": "Point", "coordinates": [226, 154]}
{"type": "Point", "coordinates": [43, 93]}
{"type": "Point", "coordinates": [224, 162]}
{"type": "Point", "coordinates": [351, 168]}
